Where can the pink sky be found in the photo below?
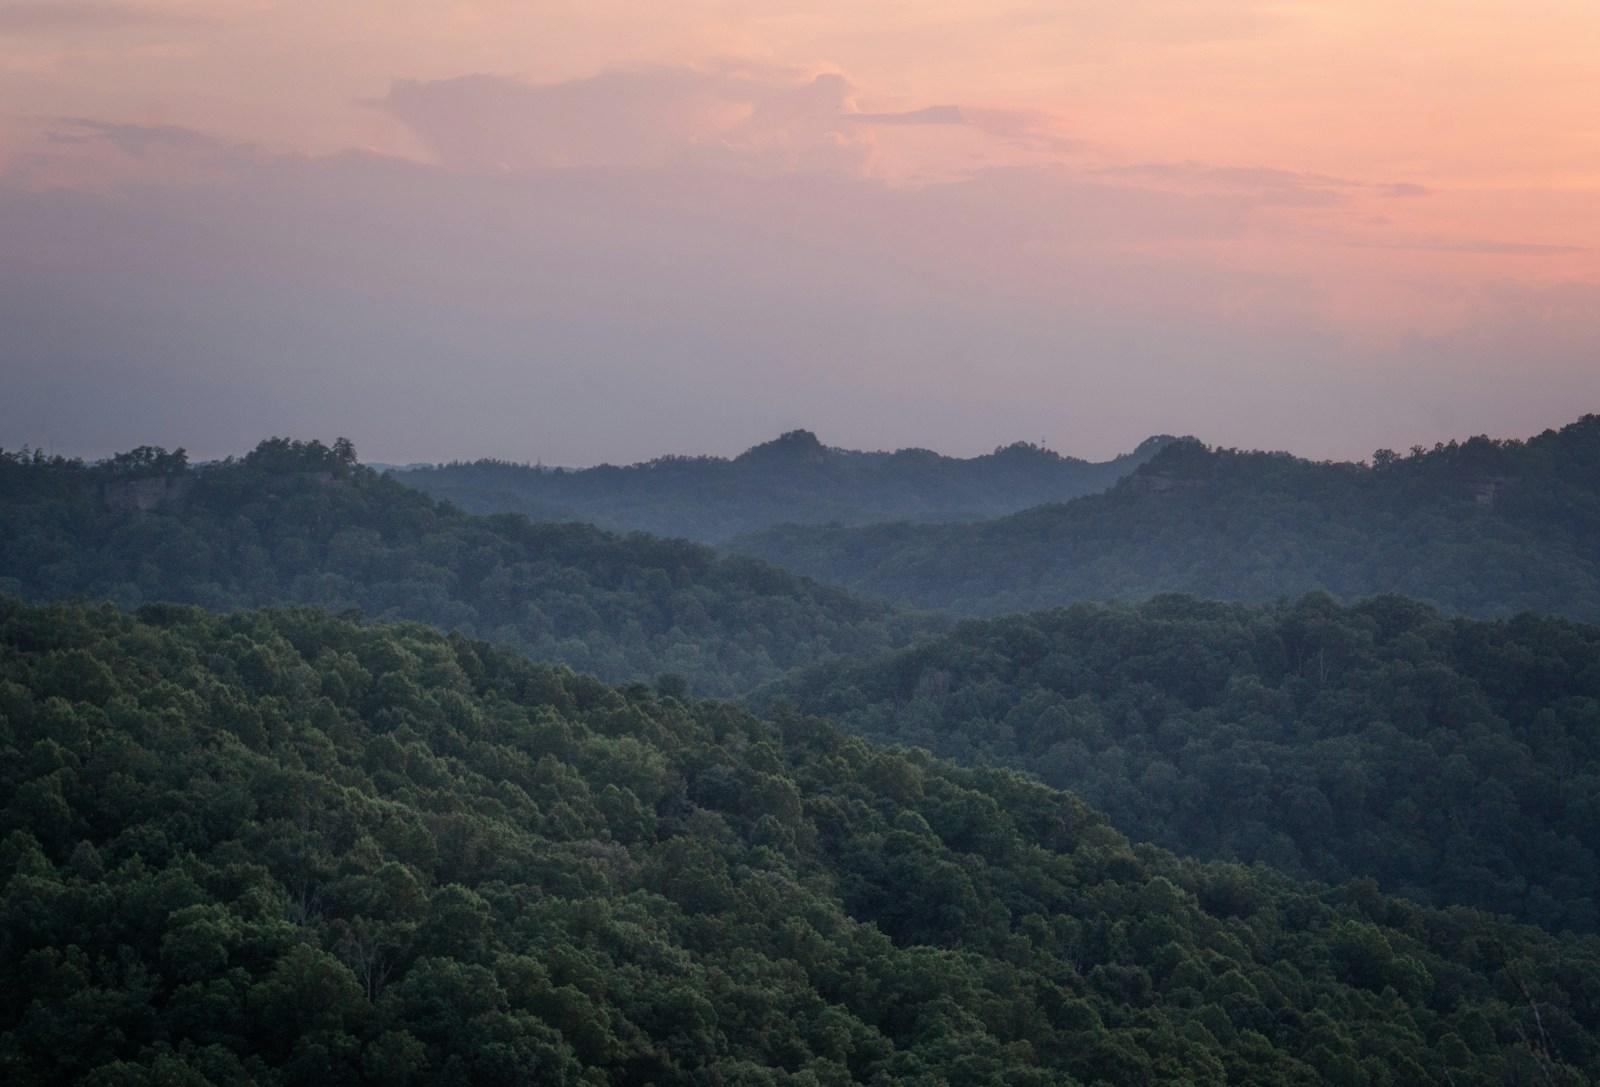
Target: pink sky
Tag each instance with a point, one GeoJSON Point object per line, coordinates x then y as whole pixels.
{"type": "Point", "coordinates": [602, 231]}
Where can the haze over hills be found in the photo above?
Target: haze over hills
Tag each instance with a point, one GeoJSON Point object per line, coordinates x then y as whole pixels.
{"type": "Point", "coordinates": [1479, 527]}
{"type": "Point", "coordinates": [295, 522]}
{"type": "Point", "coordinates": [792, 479]}
{"type": "Point", "coordinates": [282, 848]}
{"type": "Point", "coordinates": [1454, 761]}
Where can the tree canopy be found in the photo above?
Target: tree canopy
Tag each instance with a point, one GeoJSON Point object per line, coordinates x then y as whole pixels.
{"type": "Point", "coordinates": [302, 522]}
{"type": "Point", "coordinates": [1452, 760]}
{"type": "Point", "coordinates": [284, 848]}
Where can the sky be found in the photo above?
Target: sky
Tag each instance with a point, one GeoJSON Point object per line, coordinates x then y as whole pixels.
{"type": "Point", "coordinates": [603, 231]}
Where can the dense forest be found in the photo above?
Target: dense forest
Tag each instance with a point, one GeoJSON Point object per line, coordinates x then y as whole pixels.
{"type": "Point", "coordinates": [1455, 761]}
{"type": "Point", "coordinates": [793, 479]}
{"type": "Point", "coordinates": [1479, 527]}
{"type": "Point", "coordinates": [301, 522]}
{"type": "Point", "coordinates": [284, 848]}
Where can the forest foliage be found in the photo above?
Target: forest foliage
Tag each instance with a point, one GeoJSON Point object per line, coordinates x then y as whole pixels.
{"type": "Point", "coordinates": [1480, 527]}
{"type": "Point", "coordinates": [792, 479]}
{"type": "Point", "coordinates": [1452, 760]}
{"type": "Point", "coordinates": [301, 522]}
{"type": "Point", "coordinates": [283, 848]}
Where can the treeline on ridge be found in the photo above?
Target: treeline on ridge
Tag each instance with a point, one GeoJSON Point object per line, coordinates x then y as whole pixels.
{"type": "Point", "coordinates": [301, 522]}
{"type": "Point", "coordinates": [1480, 527]}
{"type": "Point", "coordinates": [792, 479]}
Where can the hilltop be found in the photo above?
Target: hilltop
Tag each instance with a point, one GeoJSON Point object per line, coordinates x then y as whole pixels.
{"type": "Point", "coordinates": [301, 522]}
{"type": "Point", "coordinates": [1480, 527]}
{"type": "Point", "coordinates": [791, 479]}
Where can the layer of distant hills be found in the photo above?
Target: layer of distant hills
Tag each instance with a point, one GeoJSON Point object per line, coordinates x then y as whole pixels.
{"type": "Point", "coordinates": [793, 479]}
{"type": "Point", "coordinates": [1479, 527]}
{"type": "Point", "coordinates": [303, 523]}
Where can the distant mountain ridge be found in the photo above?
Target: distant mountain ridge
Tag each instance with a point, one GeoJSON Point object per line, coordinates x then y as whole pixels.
{"type": "Point", "coordinates": [794, 478]}
{"type": "Point", "coordinates": [304, 523]}
{"type": "Point", "coordinates": [1480, 527]}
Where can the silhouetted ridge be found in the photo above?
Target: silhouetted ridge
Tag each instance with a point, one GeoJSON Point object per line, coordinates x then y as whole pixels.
{"type": "Point", "coordinates": [794, 445]}
{"type": "Point", "coordinates": [1478, 527]}
{"type": "Point", "coordinates": [1155, 442]}
{"type": "Point", "coordinates": [1174, 460]}
{"type": "Point", "coordinates": [302, 522]}
{"type": "Point", "coordinates": [1025, 451]}
{"type": "Point", "coordinates": [793, 479]}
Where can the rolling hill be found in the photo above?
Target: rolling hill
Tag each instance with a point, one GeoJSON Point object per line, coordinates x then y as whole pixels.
{"type": "Point", "coordinates": [1455, 761]}
{"type": "Point", "coordinates": [282, 848]}
{"type": "Point", "coordinates": [300, 522]}
{"type": "Point", "coordinates": [792, 479]}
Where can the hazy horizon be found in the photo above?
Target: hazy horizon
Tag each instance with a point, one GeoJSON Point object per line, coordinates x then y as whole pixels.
{"type": "Point", "coordinates": [202, 455]}
{"type": "Point", "coordinates": [598, 234]}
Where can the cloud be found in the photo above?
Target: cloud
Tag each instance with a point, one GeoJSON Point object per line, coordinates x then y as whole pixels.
{"type": "Point", "coordinates": [139, 141]}
{"type": "Point", "coordinates": [639, 117]}
{"type": "Point", "coordinates": [1482, 246]}
{"type": "Point", "coordinates": [1158, 22]}
{"type": "Point", "coordinates": [49, 16]}
{"type": "Point", "coordinates": [1028, 129]}
{"type": "Point", "coordinates": [730, 115]}
{"type": "Point", "coordinates": [928, 115]}
{"type": "Point", "coordinates": [1270, 183]}
{"type": "Point", "coordinates": [87, 153]}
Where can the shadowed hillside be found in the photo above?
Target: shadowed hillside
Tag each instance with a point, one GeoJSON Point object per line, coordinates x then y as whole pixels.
{"type": "Point", "coordinates": [794, 478]}
{"type": "Point", "coordinates": [296, 522]}
{"type": "Point", "coordinates": [1479, 527]}
{"type": "Point", "coordinates": [1455, 761]}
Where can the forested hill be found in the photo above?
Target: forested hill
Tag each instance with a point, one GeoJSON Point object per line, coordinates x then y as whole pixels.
{"type": "Point", "coordinates": [1479, 527]}
{"type": "Point", "coordinates": [303, 522]}
{"type": "Point", "coordinates": [279, 848]}
{"type": "Point", "coordinates": [794, 478]}
{"type": "Point", "coordinates": [1455, 761]}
